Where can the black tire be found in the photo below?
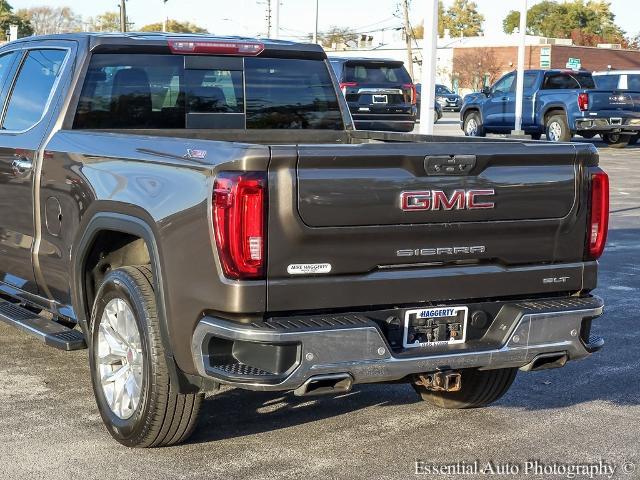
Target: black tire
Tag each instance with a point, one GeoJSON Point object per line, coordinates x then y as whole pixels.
{"type": "Point", "coordinates": [467, 126]}
{"type": "Point", "coordinates": [479, 389]}
{"type": "Point", "coordinates": [634, 139]}
{"type": "Point", "coordinates": [616, 140]}
{"type": "Point", "coordinates": [536, 136]}
{"type": "Point", "coordinates": [587, 135]}
{"type": "Point", "coordinates": [163, 416]}
{"type": "Point", "coordinates": [556, 128]}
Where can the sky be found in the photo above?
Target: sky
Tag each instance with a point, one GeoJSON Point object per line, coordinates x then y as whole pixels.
{"type": "Point", "coordinates": [247, 17]}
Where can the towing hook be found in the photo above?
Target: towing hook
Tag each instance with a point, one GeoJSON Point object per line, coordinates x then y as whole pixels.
{"type": "Point", "coordinates": [448, 381]}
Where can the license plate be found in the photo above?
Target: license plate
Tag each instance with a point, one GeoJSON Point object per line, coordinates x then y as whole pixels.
{"type": "Point", "coordinates": [380, 99]}
{"type": "Point", "coordinates": [429, 327]}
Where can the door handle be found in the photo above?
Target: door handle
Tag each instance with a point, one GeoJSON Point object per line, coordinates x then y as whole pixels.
{"type": "Point", "coordinates": [21, 166]}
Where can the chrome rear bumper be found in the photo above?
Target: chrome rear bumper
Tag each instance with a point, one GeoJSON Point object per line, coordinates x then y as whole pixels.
{"type": "Point", "coordinates": [358, 348]}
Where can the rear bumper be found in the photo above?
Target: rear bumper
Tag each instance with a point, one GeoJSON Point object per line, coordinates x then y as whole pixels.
{"type": "Point", "coordinates": [355, 345]}
{"type": "Point", "coordinates": [606, 125]}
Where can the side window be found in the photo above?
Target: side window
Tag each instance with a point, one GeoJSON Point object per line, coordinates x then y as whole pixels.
{"type": "Point", "coordinates": [32, 88]}
{"type": "Point", "coordinates": [504, 84]}
{"type": "Point", "coordinates": [6, 66]}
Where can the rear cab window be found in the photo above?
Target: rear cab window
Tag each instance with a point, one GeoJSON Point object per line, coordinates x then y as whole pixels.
{"type": "Point", "coordinates": [568, 81]}
{"type": "Point", "coordinates": [206, 92]}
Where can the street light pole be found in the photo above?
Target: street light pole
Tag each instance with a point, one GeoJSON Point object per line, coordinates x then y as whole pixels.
{"type": "Point", "coordinates": [164, 15]}
{"type": "Point", "coordinates": [520, 77]}
{"type": "Point", "coordinates": [429, 58]}
{"type": "Point", "coordinates": [315, 31]}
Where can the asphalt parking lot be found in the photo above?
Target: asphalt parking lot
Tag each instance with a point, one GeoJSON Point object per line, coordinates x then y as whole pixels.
{"type": "Point", "coordinates": [587, 412]}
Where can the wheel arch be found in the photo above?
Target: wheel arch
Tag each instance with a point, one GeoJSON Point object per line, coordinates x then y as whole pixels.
{"type": "Point", "coordinates": [140, 226]}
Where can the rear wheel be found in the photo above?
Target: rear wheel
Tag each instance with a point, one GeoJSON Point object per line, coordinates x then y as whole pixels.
{"type": "Point", "coordinates": [479, 389]}
{"type": "Point", "coordinates": [136, 399]}
{"type": "Point", "coordinates": [536, 136]}
{"type": "Point", "coordinates": [633, 140]}
{"type": "Point", "coordinates": [557, 129]}
{"type": "Point", "coordinates": [616, 140]}
{"type": "Point", "coordinates": [472, 125]}
{"type": "Point", "coordinates": [587, 135]}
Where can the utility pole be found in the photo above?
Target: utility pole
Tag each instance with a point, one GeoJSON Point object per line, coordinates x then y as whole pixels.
{"type": "Point", "coordinates": [520, 76]}
{"type": "Point", "coordinates": [408, 35]}
{"type": "Point", "coordinates": [276, 20]}
{"type": "Point", "coordinates": [123, 16]}
{"type": "Point", "coordinates": [164, 15]}
{"type": "Point", "coordinates": [315, 31]}
{"type": "Point", "coordinates": [268, 18]}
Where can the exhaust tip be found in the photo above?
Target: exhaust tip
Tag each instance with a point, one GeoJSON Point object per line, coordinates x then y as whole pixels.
{"type": "Point", "coordinates": [546, 361]}
{"type": "Point", "coordinates": [325, 385]}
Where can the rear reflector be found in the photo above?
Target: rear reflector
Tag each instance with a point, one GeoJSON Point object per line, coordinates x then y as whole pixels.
{"type": "Point", "coordinates": [583, 101]}
{"type": "Point", "coordinates": [239, 201]}
{"type": "Point", "coordinates": [215, 47]}
{"type": "Point", "coordinates": [599, 218]}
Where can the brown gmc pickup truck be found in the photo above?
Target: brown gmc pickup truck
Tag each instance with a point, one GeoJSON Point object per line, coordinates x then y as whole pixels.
{"type": "Point", "coordinates": [200, 211]}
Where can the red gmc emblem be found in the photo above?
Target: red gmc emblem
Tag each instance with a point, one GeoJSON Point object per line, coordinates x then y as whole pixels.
{"type": "Point", "coordinates": [439, 200]}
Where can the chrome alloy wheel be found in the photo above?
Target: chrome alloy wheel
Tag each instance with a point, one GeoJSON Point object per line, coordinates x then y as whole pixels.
{"type": "Point", "coordinates": [472, 127]}
{"type": "Point", "coordinates": [555, 131]}
{"type": "Point", "coordinates": [119, 358]}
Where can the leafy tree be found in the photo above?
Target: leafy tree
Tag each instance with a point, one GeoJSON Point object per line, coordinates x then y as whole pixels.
{"type": "Point", "coordinates": [337, 35]}
{"type": "Point", "coordinates": [8, 18]}
{"type": "Point", "coordinates": [106, 22]}
{"type": "Point", "coordinates": [174, 26]}
{"type": "Point", "coordinates": [587, 22]}
{"type": "Point", "coordinates": [47, 20]}
{"type": "Point", "coordinates": [463, 19]}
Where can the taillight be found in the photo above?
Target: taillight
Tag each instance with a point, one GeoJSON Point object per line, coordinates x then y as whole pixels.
{"type": "Point", "coordinates": [583, 101]}
{"type": "Point", "coordinates": [214, 47]}
{"type": "Point", "coordinates": [345, 85]}
{"type": "Point", "coordinates": [239, 201]}
{"type": "Point", "coordinates": [599, 218]}
{"type": "Point", "coordinates": [412, 92]}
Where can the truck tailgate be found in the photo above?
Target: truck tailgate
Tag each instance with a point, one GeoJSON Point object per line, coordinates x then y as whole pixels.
{"type": "Point", "coordinates": [375, 210]}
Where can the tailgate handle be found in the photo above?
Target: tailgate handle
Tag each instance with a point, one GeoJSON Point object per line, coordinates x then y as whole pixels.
{"type": "Point", "coordinates": [449, 164]}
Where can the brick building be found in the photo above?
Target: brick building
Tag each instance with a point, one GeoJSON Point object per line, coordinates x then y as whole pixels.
{"type": "Point", "coordinates": [491, 62]}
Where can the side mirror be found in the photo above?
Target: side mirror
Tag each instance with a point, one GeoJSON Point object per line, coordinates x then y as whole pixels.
{"type": "Point", "coordinates": [486, 91]}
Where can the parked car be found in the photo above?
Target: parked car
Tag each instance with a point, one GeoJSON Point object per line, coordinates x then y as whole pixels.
{"type": "Point", "coordinates": [437, 108]}
{"type": "Point", "coordinates": [203, 211]}
{"type": "Point", "coordinates": [558, 103]}
{"type": "Point", "coordinates": [380, 93]}
{"type": "Point", "coordinates": [448, 99]}
{"type": "Point", "coordinates": [621, 81]}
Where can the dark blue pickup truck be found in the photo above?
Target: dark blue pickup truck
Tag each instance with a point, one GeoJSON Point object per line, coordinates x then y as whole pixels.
{"type": "Point", "coordinates": [557, 103]}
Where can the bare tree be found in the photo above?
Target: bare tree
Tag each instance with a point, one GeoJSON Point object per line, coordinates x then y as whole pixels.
{"type": "Point", "coordinates": [48, 20]}
{"type": "Point", "coordinates": [106, 22]}
{"type": "Point", "coordinates": [474, 67]}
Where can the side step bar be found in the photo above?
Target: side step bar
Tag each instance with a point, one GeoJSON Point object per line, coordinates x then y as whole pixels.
{"type": "Point", "coordinates": [51, 333]}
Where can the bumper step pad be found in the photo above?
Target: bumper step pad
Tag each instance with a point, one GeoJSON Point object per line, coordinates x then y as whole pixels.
{"type": "Point", "coordinates": [51, 333]}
